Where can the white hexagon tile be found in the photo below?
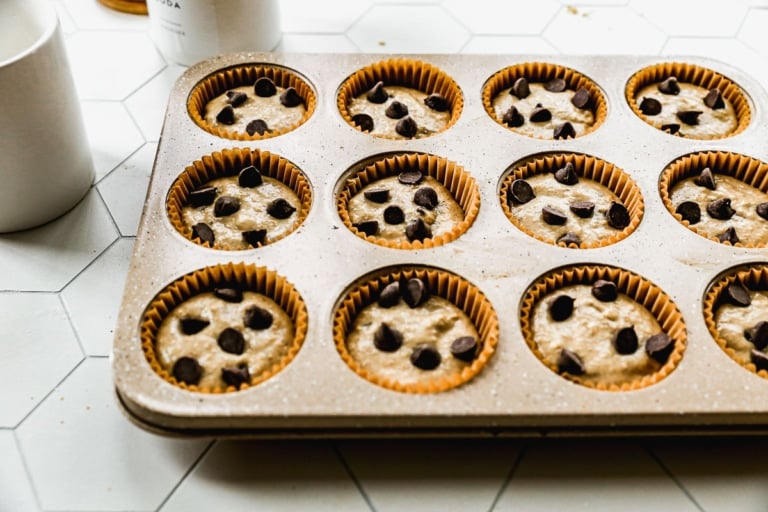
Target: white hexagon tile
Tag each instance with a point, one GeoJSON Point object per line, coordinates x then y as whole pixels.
{"type": "Point", "coordinates": [65, 445]}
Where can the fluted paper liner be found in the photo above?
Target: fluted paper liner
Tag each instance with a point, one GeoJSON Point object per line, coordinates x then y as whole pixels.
{"type": "Point", "coordinates": [223, 80]}
{"type": "Point", "coordinates": [440, 283]}
{"type": "Point", "coordinates": [587, 167]}
{"type": "Point", "coordinates": [452, 176]}
{"type": "Point", "coordinates": [755, 277]}
{"type": "Point", "coordinates": [544, 72]}
{"type": "Point", "coordinates": [405, 73]}
{"type": "Point", "coordinates": [749, 170]}
{"type": "Point", "coordinates": [635, 287]}
{"type": "Point", "coordinates": [229, 162]}
{"type": "Point", "coordinates": [235, 275]}
{"type": "Point", "coordinates": [696, 75]}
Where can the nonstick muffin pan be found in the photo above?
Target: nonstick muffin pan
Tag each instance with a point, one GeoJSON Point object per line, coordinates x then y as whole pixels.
{"type": "Point", "coordinates": [317, 394]}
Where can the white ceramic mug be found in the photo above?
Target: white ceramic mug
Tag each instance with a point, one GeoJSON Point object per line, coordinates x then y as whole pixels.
{"type": "Point", "coordinates": [45, 160]}
{"type": "Point", "coordinates": [187, 31]}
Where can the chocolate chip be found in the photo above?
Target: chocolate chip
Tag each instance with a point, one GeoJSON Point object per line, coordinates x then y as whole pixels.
{"type": "Point", "coordinates": [625, 341]}
{"type": "Point", "coordinates": [672, 128]}
{"type": "Point", "coordinates": [758, 335]}
{"type": "Point", "coordinates": [236, 98]}
{"type": "Point", "coordinates": [714, 99]}
{"type": "Point", "coordinates": [555, 85]}
{"type": "Point", "coordinates": [650, 106]}
{"type": "Point", "coordinates": [394, 215]}
{"type": "Point", "coordinates": [465, 348]}
{"type": "Point", "coordinates": [689, 211]}
{"type": "Point", "coordinates": [729, 235]}
{"type": "Point", "coordinates": [377, 195]}
{"type": "Point", "coordinates": [387, 339]}
{"type": "Point", "coordinates": [415, 292]}
{"type": "Point", "coordinates": [437, 102]}
{"type": "Point", "coordinates": [191, 325]}
{"type": "Point", "coordinates": [659, 347]}
{"type": "Point", "coordinates": [520, 192]}
{"type": "Point", "coordinates": [759, 359]}
{"type": "Point", "coordinates": [581, 99]}
{"type": "Point", "coordinates": [564, 131]}
{"type": "Point", "coordinates": [689, 117]}
{"type": "Point", "coordinates": [229, 294]}
{"type": "Point", "coordinates": [367, 227]}
{"type": "Point", "coordinates": [425, 357]}
{"type": "Point", "coordinates": [426, 197]}
{"type": "Point", "coordinates": [396, 110]}
{"type": "Point", "coordinates": [561, 307]}
{"type": "Point", "coordinates": [553, 216]}
{"type": "Point", "coordinates": [520, 88]}
{"type": "Point", "coordinates": [720, 209]}
{"type": "Point", "coordinates": [236, 375]}
{"type": "Point", "coordinates": [202, 197]}
{"type": "Point", "coordinates": [231, 341]}
{"type": "Point", "coordinates": [417, 230]}
{"type": "Point", "coordinates": [618, 216]}
{"type": "Point", "coordinates": [255, 237]}
{"type": "Point", "coordinates": [762, 210]}
{"type": "Point", "coordinates": [249, 177]}
{"type": "Point", "coordinates": [390, 295]}
{"type": "Point", "coordinates": [569, 239]}
{"type": "Point", "coordinates": [203, 232]}
{"type": "Point", "coordinates": [377, 94]}
{"type": "Point", "coordinates": [410, 177]}
{"type": "Point", "coordinates": [567, 175]}
{"type": "Point", "coordinates": [363, 121]}
{"type": "Point", "coordinates": [407, 127]}
{"type": "Point", "coordinates": [540, 114]}
{"type": "Point", "coordinates": [226, 115]}
{"type": "Point", "coordinates": [257, 318]}
{"type": "Point", "coordinates": [290, 98]}
{"type": "Point", "coordinates": [513, 118]}
{"type": "Point", "coordinates": [736, 294]}
{"type": "Point", "coordinates": [264, 87]}
{"type": "Point", "coordinates": [280, 208]}
{"type": "Point", "coordinates": [669, 86]}
{"type": "Point", "coordinates": [187, 370]}
{"type": "Point", "coordinates": [225, 205]}
{"type": "Point", "coordinates": [570, 362]}
{"type": "Point", "coordinates": [605, 291]}
{"type": "Point", "coordinates": [583, 209]}
{"type": "Point", "coordinates": [257, 126]}
{"type": "Point", "coordinates": [705, 179]}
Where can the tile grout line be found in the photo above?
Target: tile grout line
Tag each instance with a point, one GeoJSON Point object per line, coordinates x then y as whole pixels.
{"type": "Point", "coordinates": [95, 258]}
{"type": "Point", "coordinates": [353, 477]}
{"type": "Point", "coordinates": [122, 162]}
{"type": "Point", "coordinates": [512, 470]}
{"type": "Point", "coordinates": [72, 324]}
{"type": "Point", "coordinates": [186, 474]}
{"type": "Point", "coordinates": [27, 472]}
{"type": "Point", "coordinates": [672, 476]}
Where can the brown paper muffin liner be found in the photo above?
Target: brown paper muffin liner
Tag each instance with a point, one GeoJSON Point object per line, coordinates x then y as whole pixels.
{"type": "Point", "coordinates": [588, 167]}
{"type": "Point", "coordinates": [405, 73]}
{"type": "Point", "coordinates": [223, 80]}
{"type": "Point", "coordinates": [440, 283]}
{"type": "Point", "coordinates": [452, 176]}
{"type": "Point", "coordinates": [754, 277]}
{"type": "Point", "coordinates": [229, 162]}
{"type": "Point", "coordinates": [692, 74]}
{"type": "Point", "coordinates": [635, 287]}
{"type": "Point", "coordinates": [234, 275]}
{"type": "Point", "coordinates": [544, 72]}
{"type": "Point", "coordinates": [749, 170]}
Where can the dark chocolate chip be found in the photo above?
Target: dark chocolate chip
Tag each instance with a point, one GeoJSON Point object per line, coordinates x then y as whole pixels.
{"type": "Point", "coordinates": [762, 210]}
{"type": "Point", "coordinates": [257, 126]}
{"type": "Point", "coordinates": [625, 341]}
{"type": "Point", "coordinates": [669, 86]}
{"type": "Point", "coordinates": [759, 359]}
{"type": "Point", "coordinates": [249, 177]}
{"type": "Point", "coordinates": [569, 239]}
{"type": "Point", "coordinates": [264, 87]}
{"type": "Point", "coordinates": [377, 94]}
{"type": "Point", "coordinates": [226, 115]}
{"type": "Point", "coordinates": [520, 192]}
{"type": "Point", "coordinates": [202, 197]}
{"type": "Point", "coordinates": [705, 179]}
{"type": "Point", "coordinates": [190, 325]}
{"type": "Point", "coordinates": [520, 88]}
{"type": "Point", "coordinates": [659, 346]}
{"type": "Point", "coordinates": [567, 175]}
{"type": "Point", "coordinates": [564, 131]}
{"type": "Point", "coordinates": [583, 209]}
{"type": "Point", "coordinates": [720, 209]}
{"type": "Point", "coordinates": [417, 230]}
{"type": "Point", "coordinates": [257, 318]}
{"type": "Point", "coordinates": [415, 292]}
{"type": "Point", "coordinates": [410, 177]}
{"type": "Point", "coordinates": [255, 237]}
{"type": "Point", "coordinates": [280, 208]}
{"type": "Point", "coordinates": [555, 85]}
{"type": "Point", "coordinates": [236, 375]}
{"type": "Point", "coordinates": [553, 216]}
{"type": "Point", "coordinates": [729, 235]}
{"type": "Point", "coordinates": [513, 118]}
{"type": "Point", "coordinates": [425, 357]}
{"type": "Point", "coordinates": [581, 99]}
{"type": "Point", "coordinates": [689, 211]}
{"type": "Point", "coordinates": [407, 127]}
{"type": "Point", "coordinates": [736, 294]}
{"type": "Point", "coordinates": [561, 307]}
{"type": "Point", "coordinates": [377, 195]}
{"type": "Point", "coordinates": [426, 197]}
{"type": "Point", "coordinates": [570, 362]}
{"type": "Point", "coordinates": [187, 370]}
{"type": "Point", "coordinates": [540, 114]}
{"type": "Point", "coordinates": [396, 110]}
{"type": "Point", "coordinates": [236, 98]}
{"type": "Point", "coordinates": [394, 215]}
{"type": "Point", "coordinates": [605, 291]}
{"type": "Point", "coordinates": [225, 205]}
{"type": "Point", "coordinates": [618, 216]}
{"type": "Point", "coordinates": [367, 227]}
{"type": "Point", "coordinates": [229, 294]}
{"type": "Point", "coordinates": [203, 232]}
{"type": "Point", "coordinates": [689, 117]}
{"type": "Point", "coordinates": [758, 335]}
{"type": "Point", "coordinates": [437, 102]}
{"type": "Point", "coordinates": [650, 106]}
{"type": "Point", "coordinates": [672, 128]}
{"type": "Point", "coordinates": [465, 348]}
{"type": "Point", "coordinates": [290, 98]}
{"type": "Point", "coordinates": [714, 99]}
{"type": "Point", "coordinates": [387, 339]}
{"type": "Point", "coordinates": [363, 121]}
{"type": "Point", "coordinates": [231, 341]}
{"type": "Point", "coordinates": [390, 295]}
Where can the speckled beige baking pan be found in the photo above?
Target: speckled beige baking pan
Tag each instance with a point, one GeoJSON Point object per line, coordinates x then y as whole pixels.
{"type": "Point", "coordinates": [317, 394]}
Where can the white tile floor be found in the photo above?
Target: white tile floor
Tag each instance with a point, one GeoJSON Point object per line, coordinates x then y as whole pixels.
{"type": "Point", "coordinates": [65, 446]}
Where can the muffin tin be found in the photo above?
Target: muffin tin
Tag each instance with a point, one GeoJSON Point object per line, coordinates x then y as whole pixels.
{"type": "Point", "coordinates": [317, 394]}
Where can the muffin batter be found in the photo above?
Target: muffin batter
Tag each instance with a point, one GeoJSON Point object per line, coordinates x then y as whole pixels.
{"type": "Point", "coordinates": [269, 109]}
